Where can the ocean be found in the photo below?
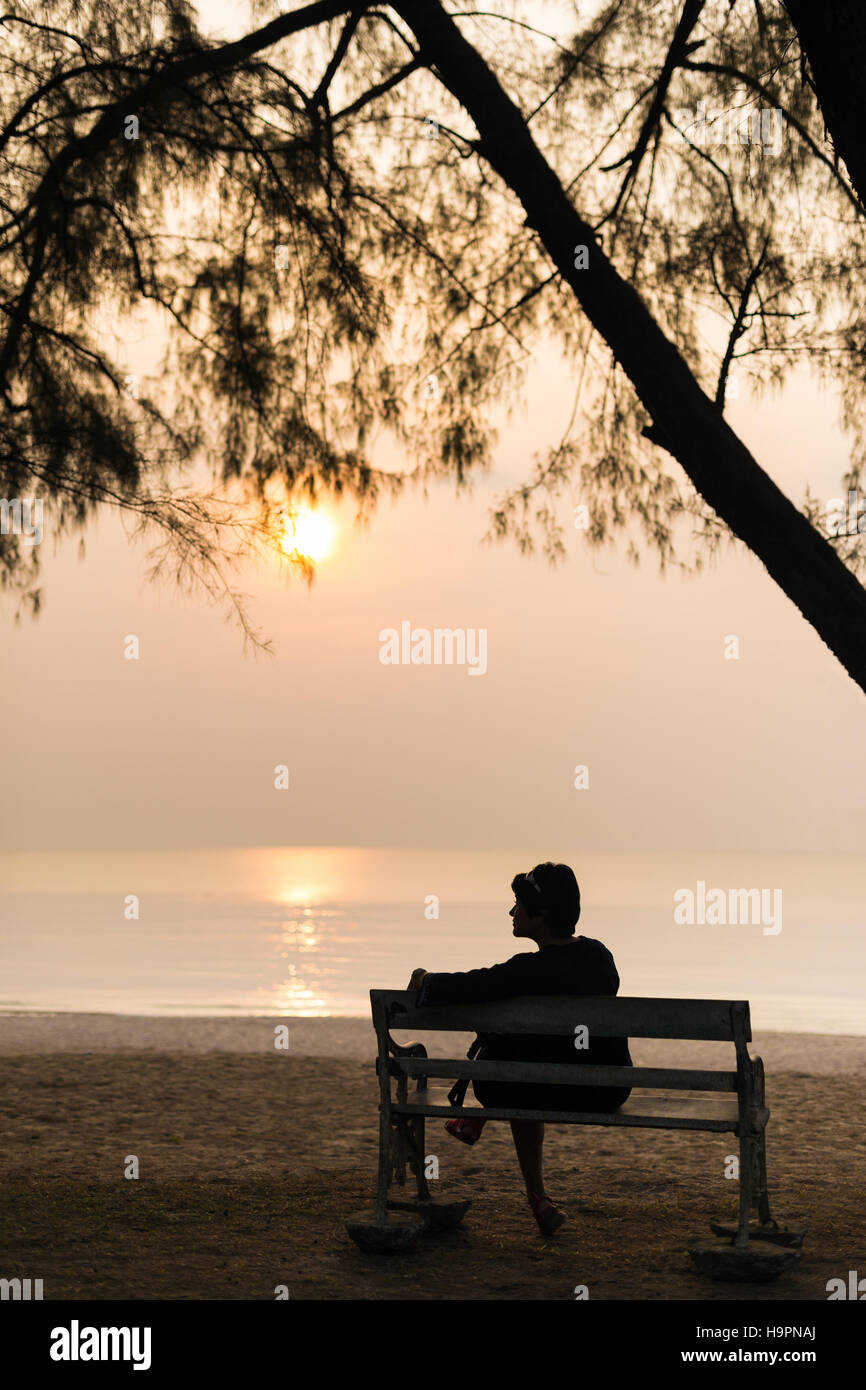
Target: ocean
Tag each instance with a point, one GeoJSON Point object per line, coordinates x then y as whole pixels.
{"type": "Point", "coordinates": [308, 931]}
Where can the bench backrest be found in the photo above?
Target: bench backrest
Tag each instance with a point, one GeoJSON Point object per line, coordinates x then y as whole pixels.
{"type": "Point", "coordinates": [714, 1020]}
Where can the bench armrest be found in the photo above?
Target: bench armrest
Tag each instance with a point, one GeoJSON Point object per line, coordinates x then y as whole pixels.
{"type": "Point", "coordinates": [413, 1049]}
{"type": "Point", "coordinates": [757, 1079]}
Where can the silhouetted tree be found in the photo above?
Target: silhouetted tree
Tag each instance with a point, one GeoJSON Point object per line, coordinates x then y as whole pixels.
{"type": "Point", "coordinates": [833, 44]}
{"type": "Point", "coordinates": [350, 227]}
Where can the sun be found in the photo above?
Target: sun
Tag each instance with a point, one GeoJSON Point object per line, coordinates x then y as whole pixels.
{"type": "Point", "coordinates": [308, 533]}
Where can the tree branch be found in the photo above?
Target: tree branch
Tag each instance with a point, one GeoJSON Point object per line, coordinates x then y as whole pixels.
{"type": "Point", "coordinates": [688, 423]}
{"type": "Point", "coordinates": [161, 84]}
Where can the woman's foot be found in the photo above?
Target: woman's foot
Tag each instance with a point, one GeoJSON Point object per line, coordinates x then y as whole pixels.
{"type": "Point", "coordinates": [465, 1128]}
{"type": "Point", "coordinates": [548, 1216]}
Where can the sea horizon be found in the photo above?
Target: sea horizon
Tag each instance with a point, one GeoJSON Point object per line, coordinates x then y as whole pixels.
{"type": "Point", "coordinates": [307, 931]}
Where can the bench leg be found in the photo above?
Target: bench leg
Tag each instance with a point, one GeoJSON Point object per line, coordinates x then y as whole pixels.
{"type": "Point", "coordinates": [753, 1184]}
{"type": "Point", "coordinates": [747, 1187]}
{"type": "Point", "coordinates": [401, 1139]}
{"type": "Point", "coordinates": [386, 1164]}
{"type": "Point", "coordinates": [381, 1229]}
{"type": "Point", "coordinates": [419, 1157]}
{"type": "Point", "coordinates": [763, 1195]}
{"type": "Point", "coordinates": [761, 1149]}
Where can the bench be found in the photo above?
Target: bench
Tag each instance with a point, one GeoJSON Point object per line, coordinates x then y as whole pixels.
{"type": "Point", "coordinates": [719, 1102]}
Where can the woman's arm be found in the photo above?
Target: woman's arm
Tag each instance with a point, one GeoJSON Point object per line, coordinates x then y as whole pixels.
{"type": "Point", "coordinates": [477, 986]}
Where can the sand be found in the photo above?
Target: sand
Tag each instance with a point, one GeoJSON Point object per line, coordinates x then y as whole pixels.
{"type": "Point", "coordinates": [250, 1159]}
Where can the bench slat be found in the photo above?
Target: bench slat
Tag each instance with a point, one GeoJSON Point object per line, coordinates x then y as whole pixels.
{"type": "Point", "coordinates": [673, 1079]}
{"type": "Point", "coordinates": [647, 1112]}
{"type": "Point", "coordinates": [714, 1020]}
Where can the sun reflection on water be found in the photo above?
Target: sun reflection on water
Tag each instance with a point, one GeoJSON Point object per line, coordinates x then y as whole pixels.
{"type": "Point", "coordinates": [300, 935]}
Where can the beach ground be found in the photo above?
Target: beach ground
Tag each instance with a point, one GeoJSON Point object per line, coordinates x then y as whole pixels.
{"type": "Point", "coordinates": [250, 1159]}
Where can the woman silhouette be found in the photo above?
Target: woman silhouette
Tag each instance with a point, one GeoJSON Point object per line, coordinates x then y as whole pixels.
{"type": "Point", "coordinates": [546, 911]}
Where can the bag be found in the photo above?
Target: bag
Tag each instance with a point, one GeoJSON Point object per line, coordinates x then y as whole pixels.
{"type": "Point", "coordinates": [458, 1091]}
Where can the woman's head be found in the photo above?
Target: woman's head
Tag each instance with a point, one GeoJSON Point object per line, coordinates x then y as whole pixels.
{"type": "Point", "coordinates": [547, 896]}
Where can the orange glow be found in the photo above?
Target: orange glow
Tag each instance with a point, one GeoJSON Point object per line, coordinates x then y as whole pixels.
{"type": "Point", "coordinates": [308, 533]}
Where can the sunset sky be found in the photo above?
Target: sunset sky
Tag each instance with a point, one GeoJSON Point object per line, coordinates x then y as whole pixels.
{"type": "Point", "coordinates": [590, 663]}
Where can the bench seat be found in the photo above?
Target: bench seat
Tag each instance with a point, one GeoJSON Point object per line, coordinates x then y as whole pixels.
{"type": "Point", "coordinates": [647, 1111]}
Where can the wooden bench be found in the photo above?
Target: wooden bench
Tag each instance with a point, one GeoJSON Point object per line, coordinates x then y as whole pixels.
{"type": "Point", "coordinates": [727, 1102]}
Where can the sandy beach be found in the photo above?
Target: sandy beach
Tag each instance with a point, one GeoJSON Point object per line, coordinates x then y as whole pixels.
{"type": "Point", "coordinates": [250, 1158]}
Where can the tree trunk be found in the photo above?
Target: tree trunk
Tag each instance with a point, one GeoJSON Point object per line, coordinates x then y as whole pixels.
{"type": "Point", "coordinates": [686, 422]}
{"type": "Point", "coordinates": [833, 39]}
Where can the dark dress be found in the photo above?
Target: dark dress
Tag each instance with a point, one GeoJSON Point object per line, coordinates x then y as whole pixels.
{"type": "Point", "coordinates": [581, 966]}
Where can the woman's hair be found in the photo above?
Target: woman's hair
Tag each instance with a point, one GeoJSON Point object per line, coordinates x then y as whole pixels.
{"type": "Point", "coordinates": [552, 888]}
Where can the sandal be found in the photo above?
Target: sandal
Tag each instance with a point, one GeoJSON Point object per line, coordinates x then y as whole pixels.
{"type": "Point", "coordinates": [465, 1128]}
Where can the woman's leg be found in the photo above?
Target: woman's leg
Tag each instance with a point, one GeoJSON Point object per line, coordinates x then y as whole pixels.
{"type": "Point", "coordinates": [529, 1142]}
{"type": "Point", "coordinates": [528, 1138]}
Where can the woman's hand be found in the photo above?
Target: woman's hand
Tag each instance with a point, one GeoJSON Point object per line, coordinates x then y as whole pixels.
{"type": "Point", "coordinates": [417, 977]}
